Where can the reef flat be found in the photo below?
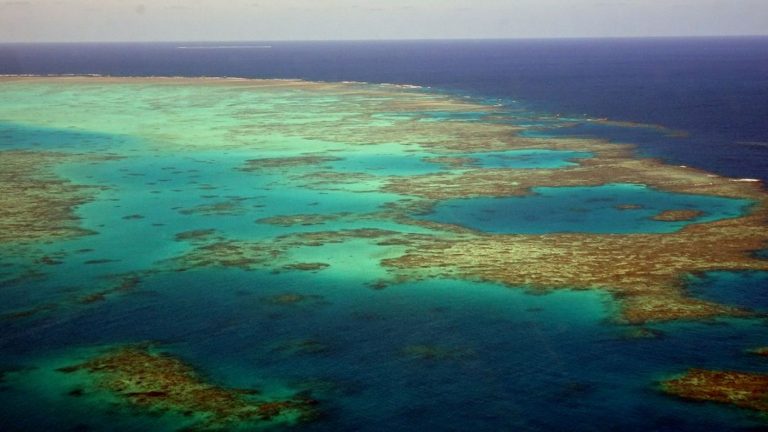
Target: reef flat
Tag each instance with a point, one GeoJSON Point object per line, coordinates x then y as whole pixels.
{"type": "Point", "coordinates": [613, 164]}
{"type": "Point", "coordinates": [644, 273]}
{"type": "Point", "coordinates": [268, 228]}
{"type": "Point", "coordinates": [162, 383]}
{"type": "Point", "coordinates": [647, 270]}
{"type": "Point", "coordinates": [36, 205]}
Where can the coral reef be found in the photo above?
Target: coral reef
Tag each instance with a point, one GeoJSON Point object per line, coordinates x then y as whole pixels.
{"type": "Point", "coordinates": [289, 299]}
{"type": "Point", "coordinates": [453, 161]}
{"type": "Point", "coordinates": [122, 284]}
{"type": "Point", "coordinates": [677, 215]}
{"type": "Point", "coordinates": [264, 164]}
{"type": "Point", "coordinates": [741, 389]}
{"type": "Point", "coordinates": [304, 219]}
{"type": "Point", "coordinates": [306, 266]}
{"type": "Point", "coordinates": [618, 166]}
{"type": "Point", "coordinates": [224, 208]}
{"type": "Point", "coordinates": [160, 382]}
{"type": "Point", "coordinates": [194, 234]}
{"type": "Point", "coordinates": [644, 272]}
{"type": "Point", "coordinates": [438, 353]}
{"type": "Point", "coordinates": [36, 204]}
{"type": "Point", "coordinates": [629, 207]}
{"type": "Point", "coordinates": [223, 252]}
{"type": "Point", "coordinates": [227, 253]}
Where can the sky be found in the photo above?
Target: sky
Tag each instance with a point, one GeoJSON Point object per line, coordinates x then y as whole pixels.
{"type": "Point", "coordinates": [265, 20]}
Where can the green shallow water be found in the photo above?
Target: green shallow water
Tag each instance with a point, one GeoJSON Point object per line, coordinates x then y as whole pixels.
{"type": "Point", "coordinates": [437, 354]}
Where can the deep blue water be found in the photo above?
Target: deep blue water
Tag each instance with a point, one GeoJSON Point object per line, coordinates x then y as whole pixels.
{"type": "Point", "coordinates": [715, 90]}
{"type": "Point", "coordinates": [745, 289]}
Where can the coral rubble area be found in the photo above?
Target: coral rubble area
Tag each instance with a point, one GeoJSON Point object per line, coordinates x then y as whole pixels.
{"type": "Point", "coordinates": [297, 136]}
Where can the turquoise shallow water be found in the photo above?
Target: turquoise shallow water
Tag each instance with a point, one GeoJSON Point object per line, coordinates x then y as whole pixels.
{"type": "Point", "coordinates": [595, 209]}
{"type": "Point", "coordinates": [418, 163]}
{"type": "Point", "coordinates": [502, 358]}
{"type": "Point", "coordinates": [529, 158]}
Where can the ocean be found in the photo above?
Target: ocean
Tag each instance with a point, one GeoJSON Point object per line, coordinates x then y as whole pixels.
{"type": "Point", "coordinates": [194, 181]}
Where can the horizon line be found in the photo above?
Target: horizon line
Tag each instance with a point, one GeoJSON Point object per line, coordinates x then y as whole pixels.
{"type": "Point", "coordinates": [744, 36]}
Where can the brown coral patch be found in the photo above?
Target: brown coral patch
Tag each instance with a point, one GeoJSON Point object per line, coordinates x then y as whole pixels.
{"type": "Point", "coordinates": [303, 219]}
{"type": "Point", "coordinates": [332, 180]}
{"type": "Point", "coordinates": [194, 234]}
{"type": "Point", "coordinates": [227, 253]}
{"type": "Point", "coordinates": [94, 297]}
{"type": "Point", "coordinates": [307, 266]}
{"type": "Point", "coordinates": [629, 207]}
{"type": "Point", "coordinates": [35, 203]}
{"type": "Point", "coordinates": [133, 217]}
{"type": "Point", "coordinates": [453, 161]}
{"type": "Point", "coordinates": [741, 389]}
{"type": "Point", "coordinates": [160, 382]}
{"type": "Point", "coordinates": [600, 170]}
{"type": "Point", "coordinates": [264, 164]}
{"type": "Point", "coordinates": [677, 215]}
{"type": "Point", "coordinates": [224, 208]}
{"type": "Point", "coordinates": [123, 284]}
